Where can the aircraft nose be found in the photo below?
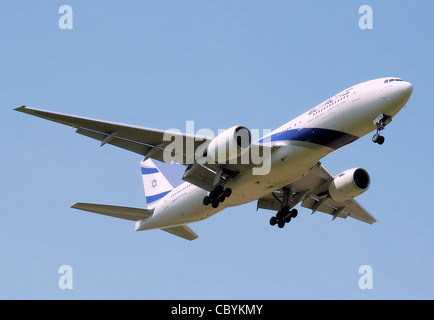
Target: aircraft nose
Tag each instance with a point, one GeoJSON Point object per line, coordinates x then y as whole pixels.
{"type": "Point", "coordinates": [399, 92]}
{"type": "Point", "coordinates": [406, 89]}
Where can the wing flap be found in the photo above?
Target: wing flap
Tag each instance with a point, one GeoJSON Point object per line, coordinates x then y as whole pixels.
{"type": "Point", "coordinates": [129, 145]}
{"type": "Point", "coordinates": [182, 231]}
{"type": "Point", "coordinates": [127, 213]}
{"type": "Point", "coordinates": [319, 205]}
{"type": "Point", "coordinates": [268, 203]}
{"type": "Point", "coordinates": [354, 210]}
{"type": "Point", "coordinates": [200, 176]}
{"type": "Point", "coordinates": [349, 208]}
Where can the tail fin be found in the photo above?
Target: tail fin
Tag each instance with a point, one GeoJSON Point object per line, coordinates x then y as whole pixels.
{"type": "Point", "coordinates": [155, 183]}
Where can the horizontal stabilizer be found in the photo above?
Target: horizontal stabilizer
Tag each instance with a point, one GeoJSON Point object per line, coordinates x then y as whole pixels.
{"type": "Point", "coordinates": [182, 231]}
{"type": "Point", "coordinates": [127, 213]}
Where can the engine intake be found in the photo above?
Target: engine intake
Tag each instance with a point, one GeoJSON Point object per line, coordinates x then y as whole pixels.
{"type": "Point", "coordinates": [349, 184]}
{"type": "Point", "coordinates": [229, 145]}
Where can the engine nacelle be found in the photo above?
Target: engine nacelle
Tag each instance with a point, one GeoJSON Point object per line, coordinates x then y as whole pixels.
{"type": "Point", "coordinates": [229, 145]}
{"type": "Point", "coordinates": [349, 184]}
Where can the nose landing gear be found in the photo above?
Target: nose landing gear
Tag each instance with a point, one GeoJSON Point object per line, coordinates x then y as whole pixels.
{"type": "Point", "coordinates": [381, 121]}
{"type": "Point", "coordinates": [378, 139]}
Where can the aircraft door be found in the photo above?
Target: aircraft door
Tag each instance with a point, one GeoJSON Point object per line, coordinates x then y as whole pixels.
{"type": "Point", "coordinates": [356, 94]}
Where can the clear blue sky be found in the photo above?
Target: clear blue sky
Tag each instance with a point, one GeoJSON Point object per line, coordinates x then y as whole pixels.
{"type": "Point", "coordinates": [219, 63]}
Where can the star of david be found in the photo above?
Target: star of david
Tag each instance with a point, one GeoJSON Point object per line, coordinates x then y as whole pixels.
{"type": "Point", "coordinates": [153, 183]}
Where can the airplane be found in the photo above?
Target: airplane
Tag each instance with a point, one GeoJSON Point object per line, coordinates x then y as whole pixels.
{"type": "Point", "coordinates": [216, 178]}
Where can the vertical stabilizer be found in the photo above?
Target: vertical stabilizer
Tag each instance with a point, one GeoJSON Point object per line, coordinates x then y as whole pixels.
{"type": "Point", "coordinates": [155, 183]}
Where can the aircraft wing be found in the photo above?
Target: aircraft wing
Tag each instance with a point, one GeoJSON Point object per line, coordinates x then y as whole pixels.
{"type": "Point", "coordinates": [311, 191]}
{"type": "Point", "coordinates": [165, 146]}
{"type": "Point", "coordinates": [148, 142]}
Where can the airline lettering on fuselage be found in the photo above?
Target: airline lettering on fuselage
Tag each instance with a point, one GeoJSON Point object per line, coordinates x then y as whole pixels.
{"type": "Point", "coordinates": [345, 94]}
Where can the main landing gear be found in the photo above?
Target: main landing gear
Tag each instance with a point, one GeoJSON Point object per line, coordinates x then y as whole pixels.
{"type": "Point", "coordinates": [283, 217]}
{"type": "Point", "coordinates": [285, 214]}
{"type": "Point", "coordinates": [217, 196]}
{"type": "Point", "coordinates": [381, 121]}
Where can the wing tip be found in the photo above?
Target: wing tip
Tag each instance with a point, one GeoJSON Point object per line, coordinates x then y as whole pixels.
{"type": "Point", "coordinates": [75, 205]}
{"type": "Point", "coordinates": [21, 108]}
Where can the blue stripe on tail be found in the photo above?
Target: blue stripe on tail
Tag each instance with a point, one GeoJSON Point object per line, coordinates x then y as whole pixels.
{"type": "Point", "coordinates": [156, 197]}
{"type": "Point", "coordinates": [149, 170]}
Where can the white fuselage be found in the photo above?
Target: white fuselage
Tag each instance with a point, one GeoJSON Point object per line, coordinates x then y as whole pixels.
{"type": "Point", "coordinates": [302, 142]}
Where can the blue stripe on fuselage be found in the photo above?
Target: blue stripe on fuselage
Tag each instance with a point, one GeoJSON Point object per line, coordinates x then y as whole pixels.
{"type": "Point", "coordinates": [325, 137]}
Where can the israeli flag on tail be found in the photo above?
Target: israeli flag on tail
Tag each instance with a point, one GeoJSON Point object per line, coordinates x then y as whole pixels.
{"type": "Point", "coordinates": [155, 183]}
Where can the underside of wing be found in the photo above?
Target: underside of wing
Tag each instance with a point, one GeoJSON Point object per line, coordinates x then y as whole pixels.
{"type": "Point", "coordinates": [165, 146]}
{"type": "Point", "coordinates": [151, 143]}
{"type": "Point", "coordinates": [349, 208]}
{"type": "Point", "coordinates": [312, 191]}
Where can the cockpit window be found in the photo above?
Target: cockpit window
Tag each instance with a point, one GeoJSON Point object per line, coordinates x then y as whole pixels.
{"type": "Point", "coordinates": [391, 80]}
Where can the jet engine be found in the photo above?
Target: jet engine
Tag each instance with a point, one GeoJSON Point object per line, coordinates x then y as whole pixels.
{"type": "Point", "coordinates": [229, 145]}
{"type": "Point", "coordinates": [349, 184]}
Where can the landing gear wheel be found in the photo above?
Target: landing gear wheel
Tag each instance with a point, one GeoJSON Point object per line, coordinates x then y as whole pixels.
{"type": "Point", "coordinates": [227, 192]}
{"type": "Point", "coordinates": [287, 219]}
{"type": "Point", "coordinates": [281, 224]}
{"type": "Point", "coordinates": [206, 200]}
{"type": "Point", "coordinates": [273, 221]}
{"type": "Point", "coordinates": [294, 213]}
{"type": "Point", "coordinates": [215, 203]}
{"type": "Point", "coordinates": [212, 194]}
{"type": "Point", "coordinates": [218, 189]}
{"type": "Point", "coordinates": [378, 139]}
